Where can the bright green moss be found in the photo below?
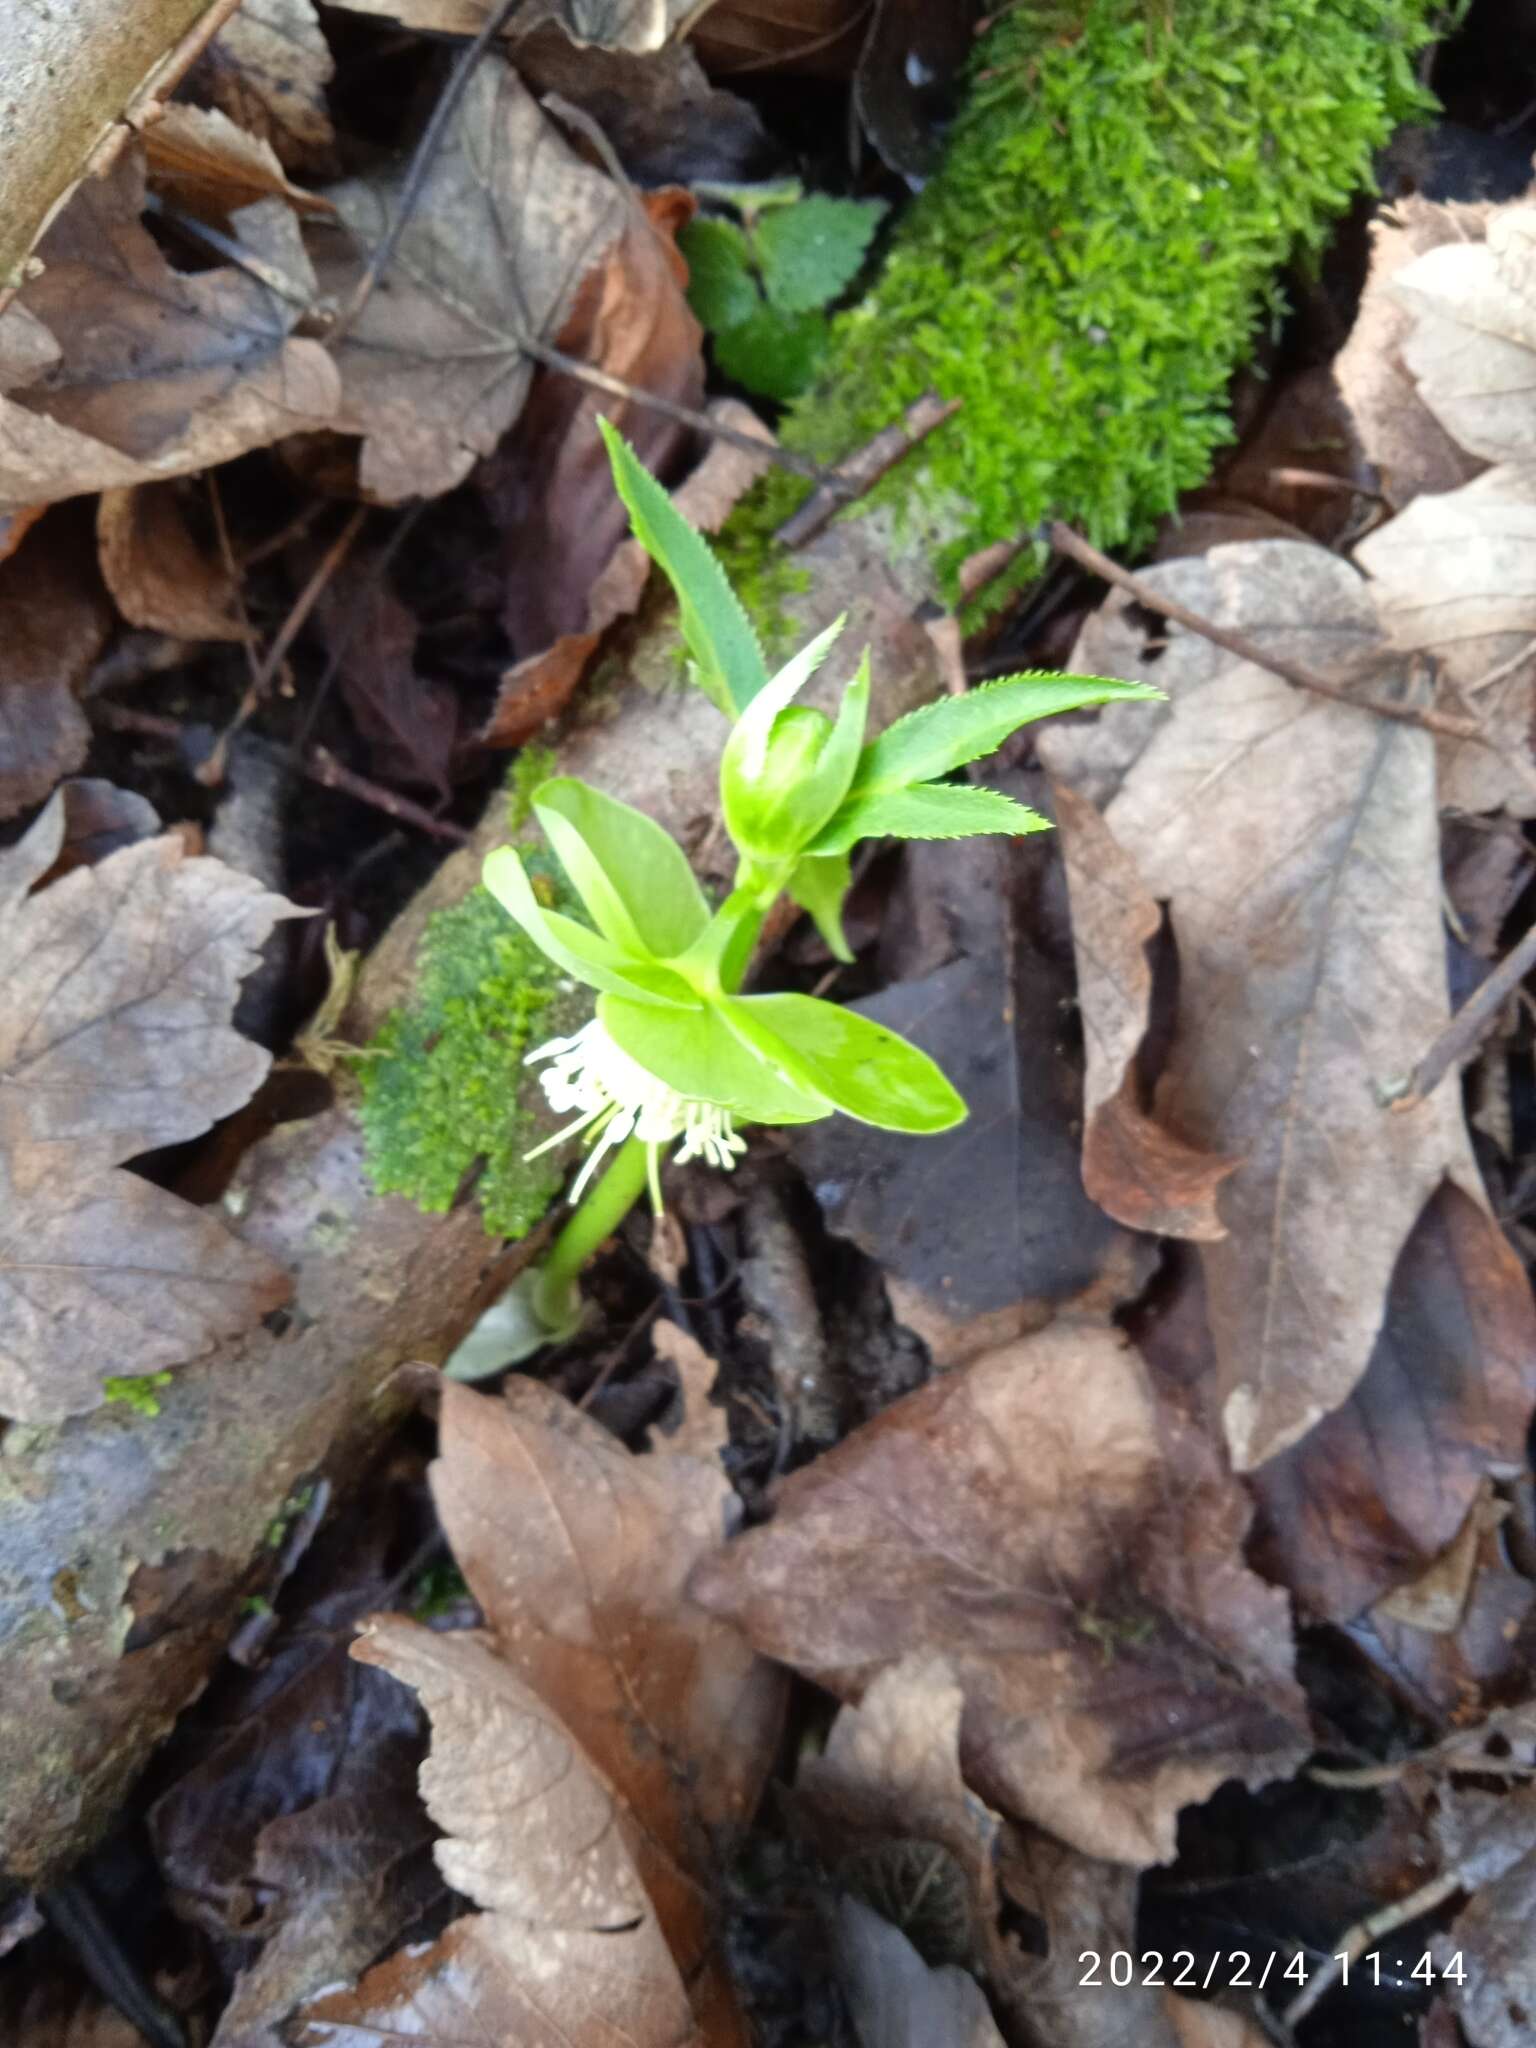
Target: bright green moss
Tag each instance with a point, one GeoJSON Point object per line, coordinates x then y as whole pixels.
{"type": "Point", "coordinates": [443, 1077]}
{"type": "Point", "coordinates": [440, 1092]}
{"type": "Point", "coordinates": [1098, 252]}
{"type": "Point", "coordinates": [136, 1391]}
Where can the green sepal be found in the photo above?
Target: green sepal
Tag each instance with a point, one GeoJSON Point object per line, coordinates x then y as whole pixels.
{"type": "Point", "coordinates": [694, 1053]}
{"type": "Point", "coordinates": [857, 1065]}
{"type": "Point", "coordinates": [586, 954]}
{"type": "Point", "coordinates": [928, 810]}
{"type": "Point", "coordinates": [632, 876]}
{"type": "Point", "coordinates": [727, 656]}
{"type": "Point", "coordinates": [785, 769]}
{"type": "Point", "coordinates": [943, 736]}
{"type": "Point", "coordinates": [819, 885]}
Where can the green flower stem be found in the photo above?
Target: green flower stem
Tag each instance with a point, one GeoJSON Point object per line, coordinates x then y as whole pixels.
{"type": "Point", "coordinates": [557, 1297]}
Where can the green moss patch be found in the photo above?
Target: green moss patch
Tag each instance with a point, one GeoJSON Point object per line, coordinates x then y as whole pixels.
{"type": "Point", "coordinates": [1098, 252]}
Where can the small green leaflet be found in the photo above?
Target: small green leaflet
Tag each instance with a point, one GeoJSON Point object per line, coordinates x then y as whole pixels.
{"type": "Point", "coordinates": [727, 655]}
{"type": "Point", "coordinates": [928, 810]}
{"type": "Point", "coordinates": [721, 288]}
{"type": "Point", "coordinates": [943, 736]}
{"type": "Point", "coordinates": [809, 252]}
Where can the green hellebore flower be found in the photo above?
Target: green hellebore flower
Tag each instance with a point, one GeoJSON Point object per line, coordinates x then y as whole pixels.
{"type": "Point", "coordinates": [786, 768]}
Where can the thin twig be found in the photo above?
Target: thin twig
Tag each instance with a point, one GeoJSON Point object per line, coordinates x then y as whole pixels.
{"type": "Point", "coordinates": [1350, 1946]}
{"type": "Point", "coordinates": [1066, 542]}
{"type": "Point", "coordinates": [264, 672]}
{"type": "Point", "coordinates": [464, 68]}
{"type": "Point", "coordinates": [321, 766]}
{"type": "Point", "coordinates": [1520, 656]}
{"type": "Point", "coordinates": [861, 471]}
{"type": "Point", "coordinates": [1471, 1024]}
{"type": "Point", "coordinates": [687, 415]}
{"type": "Point", "coordinates": [347, 632]}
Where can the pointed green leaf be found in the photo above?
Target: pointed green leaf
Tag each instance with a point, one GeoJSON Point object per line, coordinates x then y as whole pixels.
{"type": "Point", "coordinates": [819, 885]}
{"type": "Point", "coordinates": [587, 955]}
{"type": "Point", "coordinates": [860, 1067]}
{"type": "Point", "coordinates": [632, 876]}
{"type": "Point", "coordinates": [943, 736]}
{"type": "Point", "coordinates": [930, 810]}
{"type": "Point", "coordinates": [693, 1052]}
{"type": "Point", "coordinates": [726, 653]}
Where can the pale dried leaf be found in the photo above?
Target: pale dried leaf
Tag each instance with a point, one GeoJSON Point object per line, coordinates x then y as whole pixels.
{"type": "Point", "coordinates": [1079, 1563]}
{"type": "Point", "coordinates": [704, 1430]}
{"type": "Point", "coordinates": [207, 165]}
{"type": "Point", "coordinates": [891, 1773]}
{"type": "Point", "coordinates": [1455, 577]}
{"type": "Point", "coordinates": [115, 1039]}
{"type": "Point", "coordinates": [506, 226]}
{"type": "Point", "coordinates": [158, 371]}
{"type": "Point", "coordinates": [268, 68]}
{"type": "Point", "coordinates": [1133, 1166]}
{"type": "Point", "coordinates": [54, 620]}
{"type": "Point", "coordinates": [1472, 348]}
{"type": "Point", "coordinates": [578, 1552]}
{"type": "Point", "coordinates": [161, 577]}
{"type": "Point", "coordinates": [894, 1998]}
{"type": "Point", "coordinates": [1295, 841]}
{"type": "Point", "coordinates": [569, 1948]}
{"type": "Point", "coordinates": [1398, 434]}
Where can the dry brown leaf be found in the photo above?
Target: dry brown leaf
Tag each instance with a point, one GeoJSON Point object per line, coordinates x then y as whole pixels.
{"type": "Point", "coordinates": [507, 225]}
{"type": "Point", "coordinates": [819, 37]}
{"type": "Point", "coordinates": [577, 1552]}
{"type": "Point", "coordinates": [550, 484]}
{"type": "Point", "coordinates": [704, 1430]}
{"type": "Point", "coordinates": [1078, 1561]}
{"type": "Point", "coordinates": [897, 2000]}
{"type": "Point", "coordinates": [1295, 842]}
{"type": "Point", "coordinates": [210, 167]}
{"type": "Point", "coordinates": [539, 686]}
{"type": "Point", "coordinates": [1084, 1905]}
{"type": "Point", "coordinates": [636, 25]}
{"type": "Point", "coordinates": [1409, 448]}
{"type": "Point", "coordinates": [77, 81]}
{"type": "Point", "coordinates": [1472, 346]}
{"type": "Point", "coordinates": [1133, 1166]}
{"type": "Point", "coordinates": [54, 620]}
{"type": "Point", "coordinates": [124, 371]}
{"type": "Point", "coordinates": [268, 68]}
{"type": "Point", "coordinates": [160, 576]}
{"type": "Point", "coordinates": [119, 981]}
{"type": "Point", "coordinates": [1454, 578]}
{"type": "Point", "coordinates": [569, 1948]}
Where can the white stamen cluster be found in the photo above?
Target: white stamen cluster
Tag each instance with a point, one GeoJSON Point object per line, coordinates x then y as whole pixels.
{"type": "Point", "coordinates": [615, 1098]}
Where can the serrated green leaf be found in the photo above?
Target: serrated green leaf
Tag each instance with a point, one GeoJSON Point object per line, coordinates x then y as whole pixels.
{"type": "Point", "coordinates": [587, 955]}
{"type": "Point", "coordinates": [774, 354]}
{"type": "Point", "coordinates": [928, 810]}
{"type": "Point", "coordinates": [945, 735]}
{"type": "Point", "coordinates": [632, 876]}
{"type": "Point", "coordinates": [727, 656]}
{"type": "Point", "coordinates": [808, 253]}
{"type": "Point", "coordinates": [693, 1052]}
{"type": "Point", "coordinates": [819, 885]}
{"type": "Point", "coordinates": [721, 287]}
{"type": "Point", "coordinates": [860, 1067]}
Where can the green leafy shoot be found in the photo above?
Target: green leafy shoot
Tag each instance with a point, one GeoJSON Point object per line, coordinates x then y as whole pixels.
{"type": "Point", "coordinates": [761, 288]}
{"type": "Point", "coordinates": [727, 656]}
